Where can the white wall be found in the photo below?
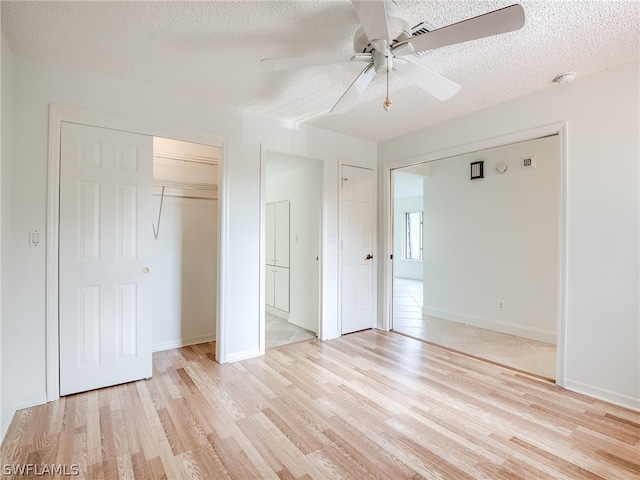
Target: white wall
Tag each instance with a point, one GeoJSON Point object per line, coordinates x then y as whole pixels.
{"type": "Point", "coordinates": [7, 405]}
{"type": "Point", "coordinates": [37, 84]}
{"type": "Point", "coordinates": [184, 272]}
{"type": "Point", "coordinates": [404, 268]}
{"type": "Point", "coordinates": [303, 188]}
{"type": "Point", "coordinates": [494, 240]}
{"type": "Point", "coordinates": [602, 343]}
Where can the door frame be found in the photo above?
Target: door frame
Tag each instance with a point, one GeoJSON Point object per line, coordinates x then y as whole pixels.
{"type": "Point", "coordinates": [374, 243]}
{"type": "Point", "coordinates": [322, 328]}
{"type": "Point", "coordinates": [386, 289]}
{"type": "Point", "coordinates": [62, 113]}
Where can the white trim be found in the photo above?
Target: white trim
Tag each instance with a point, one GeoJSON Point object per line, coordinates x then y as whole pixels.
{"type": "Point", "coordinates": [183, 342]}
{"type": "Point", "coordinates": [262, 299]}
{"type": "Point", "coordinates": [532, 333]}
{"type": "Point", "coordinates": [62, 113]}
{"type": "Point", "coordinates": [276, 311]}
{"type": "Point", "coordinates": [603, 394]}
{"type": "Point", "coordinates": [300, 324]}
{"type": "Point", "coordinates": [10, 416]}
{"type": "Point", "coordinates": [52, 386]}
{"type": "Point", "coordinates": [6, 423]}
{"type": "Point", "coordinates": [388, 244]}
{"type": "Point", "coordinates": [247, 354]}
{"type": "Point", "coordinates": [223, 254]}
{"type": "Point", "coordinates": [560, 129]}
{"type": "Point", "coordinates": [374, 232]}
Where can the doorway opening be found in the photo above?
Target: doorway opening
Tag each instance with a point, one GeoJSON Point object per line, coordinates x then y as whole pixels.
{"type": "Point", "coordinates": [293, 223]}
{"type": "Point", "coordinates": [186, 224]}
{"type": "Point", "coordinates": [476, 261]}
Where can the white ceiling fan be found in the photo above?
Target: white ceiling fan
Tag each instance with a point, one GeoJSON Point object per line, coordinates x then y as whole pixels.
{"type": "Point", "coordinates": [384, 38]}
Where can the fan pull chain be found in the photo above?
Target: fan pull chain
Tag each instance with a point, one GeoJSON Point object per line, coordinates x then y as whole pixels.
{"type": "Point", "coordinates": [387, 102]}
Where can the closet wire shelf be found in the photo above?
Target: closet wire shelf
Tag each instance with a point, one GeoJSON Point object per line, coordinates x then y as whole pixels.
{"type": "Point", "coordinates": [179, 185]}
{"type": "Point", "coordinates": [174, 179]}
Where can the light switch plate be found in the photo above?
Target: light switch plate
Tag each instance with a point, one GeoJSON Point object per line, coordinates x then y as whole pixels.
{"type": "Point", "coordinates": [35, 238]}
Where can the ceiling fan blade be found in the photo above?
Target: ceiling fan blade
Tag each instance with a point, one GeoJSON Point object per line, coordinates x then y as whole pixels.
{"type": "Point", "coordinates": [350, 97]}
{"type": "Point", "coordinates": [434, 84]}
{"type": "Point", "coordinates": [273, 64]}
{"type": "Point", "coordinates": [493, 23]}
{"type": "Point", "coordinates": [373, 18]}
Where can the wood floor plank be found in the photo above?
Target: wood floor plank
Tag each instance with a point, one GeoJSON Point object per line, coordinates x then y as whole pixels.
{"type": "Point", "coordinates": [367, 405]}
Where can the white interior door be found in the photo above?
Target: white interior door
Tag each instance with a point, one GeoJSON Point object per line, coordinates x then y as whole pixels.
{"type": "Point", "coordinates": [105, 248]}
{"type": "Point", "coordinates": [356, 240]}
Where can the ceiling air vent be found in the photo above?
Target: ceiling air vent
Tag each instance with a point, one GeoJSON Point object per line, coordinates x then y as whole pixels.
{"type": "Point", "coordinates": [419, 29]}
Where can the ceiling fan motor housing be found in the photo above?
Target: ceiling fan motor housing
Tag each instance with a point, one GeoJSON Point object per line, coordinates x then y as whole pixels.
{"type": "Point", "coordinates": [399, 30]}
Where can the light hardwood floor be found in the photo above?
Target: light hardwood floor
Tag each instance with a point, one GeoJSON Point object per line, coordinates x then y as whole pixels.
{"type": "Point", "coordinates": [366, 405]}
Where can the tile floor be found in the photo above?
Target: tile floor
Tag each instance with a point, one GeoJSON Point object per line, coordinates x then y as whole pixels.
{"type": "Point", "coordinates": [523, 354]}
{"type": "Point", "coordinates": [279, 331]}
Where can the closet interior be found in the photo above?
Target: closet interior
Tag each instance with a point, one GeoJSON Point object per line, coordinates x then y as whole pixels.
{"type": "Point", "coordinates": [185, 191]}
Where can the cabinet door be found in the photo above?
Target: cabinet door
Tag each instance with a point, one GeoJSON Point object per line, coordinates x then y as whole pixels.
{"type": "Point", "coordinates": [270, 286]}
{"type": "Point", "coordinates": [281, 294]}
{"type": "Point", "coordinates": [282, 234]}
{"type": "Point", "coordinates": [270, 227]}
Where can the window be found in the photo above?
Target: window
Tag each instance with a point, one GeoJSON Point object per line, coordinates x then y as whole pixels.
{"type": "Point", "coordinates": [413, 236]}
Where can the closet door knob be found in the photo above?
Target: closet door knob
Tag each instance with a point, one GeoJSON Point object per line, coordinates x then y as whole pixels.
{"type": "Point", "coordinates": [369, 257]}
{"type": "Point", "coordinates": [145, 270]}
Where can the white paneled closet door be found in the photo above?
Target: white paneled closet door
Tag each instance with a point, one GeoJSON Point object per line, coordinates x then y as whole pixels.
{"type": "Point", "coordinates": [105, 247]}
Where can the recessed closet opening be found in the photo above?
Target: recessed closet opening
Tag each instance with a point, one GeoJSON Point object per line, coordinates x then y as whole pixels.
{"type": "Point", "coordinates": [476, 253]}
{"type": "Point", "coordinates": [185, 227]}
{"type": "Point", "coordinates": [293, 211]}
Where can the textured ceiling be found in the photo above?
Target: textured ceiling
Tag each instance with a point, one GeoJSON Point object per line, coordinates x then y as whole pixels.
{"type": "Point", "coordinates": [212, 50]}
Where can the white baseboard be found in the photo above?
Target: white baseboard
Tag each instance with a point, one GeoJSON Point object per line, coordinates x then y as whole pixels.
{"type": "Point", "coordinates": [531, 333]}
{"type": "Point", "coordinates": [330, 335]}
{"type": "Point", "coordinates": [311, 328]}
{"type": "Point", "coordinates": [183, 342]}
{"type": "Point", "coordinates": [277, 312]}
{"type": "Point", "coordinates": [603, 394]}
{"type": "Point", "coordinates": [6, 421]}
{"type": "Point", "coordinates": [237, 356]}
{"type": "Point", "coordinates": [24, 403]}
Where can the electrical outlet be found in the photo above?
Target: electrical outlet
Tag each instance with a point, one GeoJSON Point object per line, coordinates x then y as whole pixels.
{"type": "Point", "coordinates": [501, 305]}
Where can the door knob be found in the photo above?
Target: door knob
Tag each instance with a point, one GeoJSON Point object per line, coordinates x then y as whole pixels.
{"type": "Point", "coordinates": [369, 257]}
{"type": "Point", "coordinates": [145, 270]}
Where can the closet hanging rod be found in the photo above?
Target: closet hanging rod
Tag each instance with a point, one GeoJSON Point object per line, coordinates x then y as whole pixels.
{"type": "Point", "coordinates": [209, 161]}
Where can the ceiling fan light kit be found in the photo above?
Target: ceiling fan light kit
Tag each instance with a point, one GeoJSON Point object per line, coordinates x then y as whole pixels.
{"type": "Point", "coordinates": [384, 37]}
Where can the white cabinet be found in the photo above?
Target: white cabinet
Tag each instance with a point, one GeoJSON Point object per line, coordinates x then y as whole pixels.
{"type": "Point", "coordinates": [277, 287]}
{"type": "Point", "coordinates": [277, 255]}
{"type": "Point", "coordinates": [277, 230]}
